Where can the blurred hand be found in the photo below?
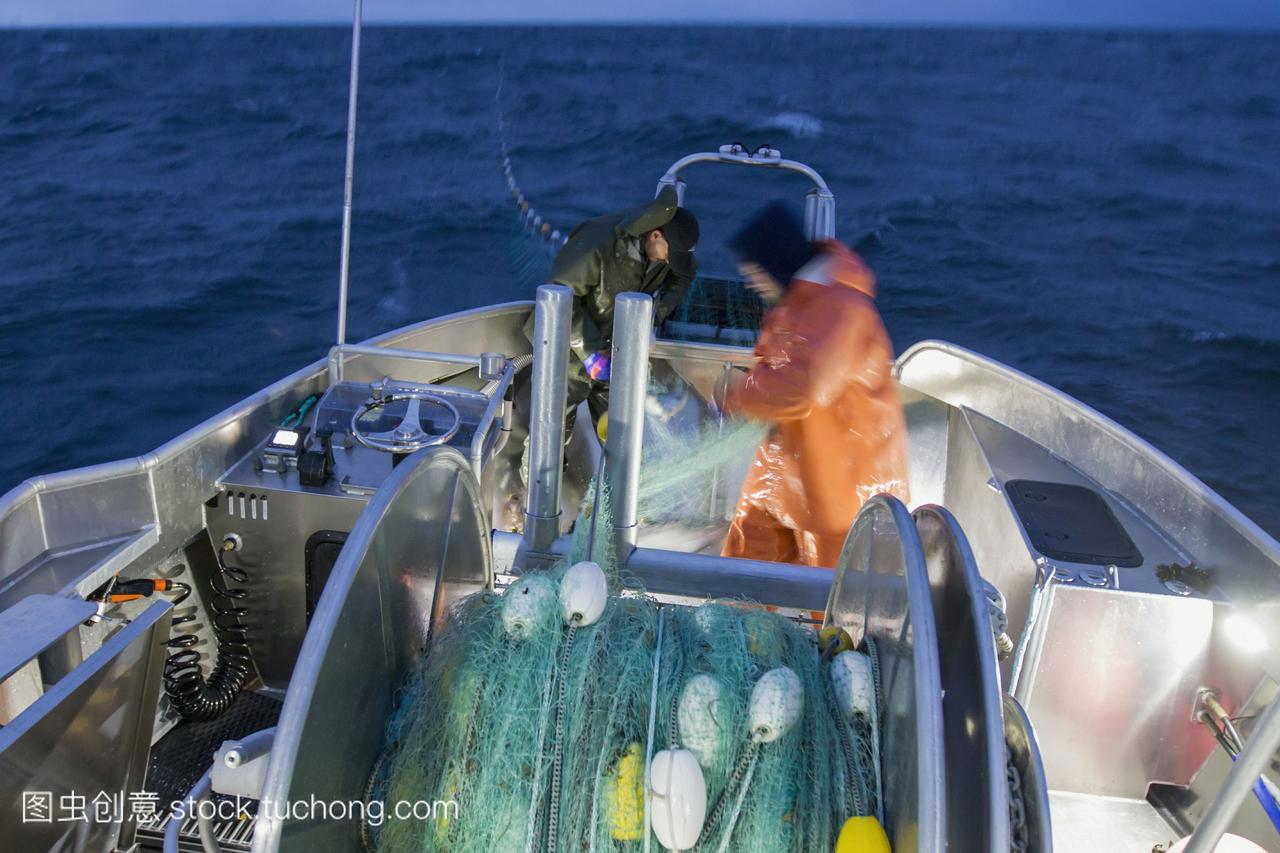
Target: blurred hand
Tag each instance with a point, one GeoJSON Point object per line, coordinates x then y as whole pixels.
{"type": "Point", "coordinates": [598, 366]}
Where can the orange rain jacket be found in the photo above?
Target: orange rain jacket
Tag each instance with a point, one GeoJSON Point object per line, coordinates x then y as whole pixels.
{"type": "Point", "coordinates": [822, 375]}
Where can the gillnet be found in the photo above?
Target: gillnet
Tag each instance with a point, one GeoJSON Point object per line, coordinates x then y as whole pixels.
{"type": "Point", "coordinates": [694, 474]}
{"type": "Point", "coordinates": [534, 720]}
{"type": "Point", "coordinates": [529, 253]}
{"type": "Point", "coordinates": [694, 458]}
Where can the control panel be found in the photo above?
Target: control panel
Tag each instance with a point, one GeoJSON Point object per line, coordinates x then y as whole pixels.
{"type": "Point", "coordinates": [294, 498]}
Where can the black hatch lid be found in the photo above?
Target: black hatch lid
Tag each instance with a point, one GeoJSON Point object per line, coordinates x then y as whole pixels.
{"type": "Point", "coordinates": [1072, 524]}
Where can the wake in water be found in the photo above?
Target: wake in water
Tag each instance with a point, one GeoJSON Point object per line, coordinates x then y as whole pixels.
{"type": "Point", "coordinates": [799, 125]}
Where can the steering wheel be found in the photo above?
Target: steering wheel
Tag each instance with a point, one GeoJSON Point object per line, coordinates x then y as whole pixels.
{"type": "Point", "coordinates": [407, 436]}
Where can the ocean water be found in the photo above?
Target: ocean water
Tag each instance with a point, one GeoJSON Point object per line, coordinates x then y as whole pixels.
{"type": "Point", "coordinates": [1100, 210]}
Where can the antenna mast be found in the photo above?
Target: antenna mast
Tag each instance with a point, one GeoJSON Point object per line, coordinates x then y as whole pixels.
{"type": "Point", "coordinates": [350, 173]}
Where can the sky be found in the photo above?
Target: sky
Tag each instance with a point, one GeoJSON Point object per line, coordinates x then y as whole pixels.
{"type": "Point", "coordinates": [1162, 14]}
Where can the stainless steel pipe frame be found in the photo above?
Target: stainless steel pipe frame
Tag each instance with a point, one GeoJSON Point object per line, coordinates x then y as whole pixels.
{"type": "Point", "coordinates": [1248, 767]}
{"type": "Point", "coordinates": [697, 576]}
{"type": "Point", "coordinates": [628, 386]}
{"type": "Point", "coordinates": [553, 315]}
{"type": "Point", "coordinates": [337, 358]}
{"type": "Point", "coordinates": [819, 203]}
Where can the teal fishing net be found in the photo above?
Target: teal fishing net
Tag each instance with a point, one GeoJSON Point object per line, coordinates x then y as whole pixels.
{"type": "Point", "coordinates": [530, 254]}
{"type": "Point", "coordinates": [537, 739]}
{"type": "Point", "coordinates": [694, 458]}
{"type": "Point", "coordinates": [693, 474]}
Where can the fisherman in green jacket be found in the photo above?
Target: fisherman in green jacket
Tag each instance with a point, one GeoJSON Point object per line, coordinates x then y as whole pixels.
{"type": "Point", "coordinates": [647, 249]}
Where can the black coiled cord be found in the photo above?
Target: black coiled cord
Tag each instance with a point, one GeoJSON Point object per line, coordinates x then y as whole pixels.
{"type": "Point", "coordinates": [191, 695]}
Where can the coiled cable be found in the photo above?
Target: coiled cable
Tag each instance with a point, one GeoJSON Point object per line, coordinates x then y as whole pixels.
{"type": "Point", "coordinates": [191, 695]}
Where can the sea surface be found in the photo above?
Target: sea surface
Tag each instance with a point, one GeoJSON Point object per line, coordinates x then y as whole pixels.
{"type": "Point", "coordinates": [1100, 210]}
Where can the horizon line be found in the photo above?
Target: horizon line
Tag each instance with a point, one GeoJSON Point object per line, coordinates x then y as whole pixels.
{"type": "Point", "coordinates": [764, 23]}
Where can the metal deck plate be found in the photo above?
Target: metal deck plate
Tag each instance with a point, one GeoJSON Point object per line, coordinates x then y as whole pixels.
{"type": "Point", "coordinates": [1087, 824]}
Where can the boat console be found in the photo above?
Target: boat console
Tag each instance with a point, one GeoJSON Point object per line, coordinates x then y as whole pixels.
{"type": "Point", "coordinates": [287, 507]}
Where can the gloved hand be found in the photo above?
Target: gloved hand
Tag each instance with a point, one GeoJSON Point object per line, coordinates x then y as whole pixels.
{"type": "Point", "coordinates": [597, 365]}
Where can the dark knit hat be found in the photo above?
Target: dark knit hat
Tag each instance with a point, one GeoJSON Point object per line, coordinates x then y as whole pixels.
{"type": "Point", "coordinates": [774, 239]}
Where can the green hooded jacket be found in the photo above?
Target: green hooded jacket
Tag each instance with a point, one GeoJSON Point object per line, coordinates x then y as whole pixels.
{"type": "Point", "coordinates": [604, 257]}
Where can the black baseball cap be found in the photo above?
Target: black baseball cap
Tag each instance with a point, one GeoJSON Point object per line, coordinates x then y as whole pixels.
{"type": "Point", "coordinates": [681, 234]}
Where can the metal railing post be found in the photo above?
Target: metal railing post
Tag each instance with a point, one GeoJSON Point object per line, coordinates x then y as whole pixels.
{"type": "Point", "coordinates": [675, 183]}
{"type": "Point", "coordinates": [632, 330]}
{"type": "Point", "coordinates": [819, 214]}
{"type": "Point", "coordinates": [553, 315]}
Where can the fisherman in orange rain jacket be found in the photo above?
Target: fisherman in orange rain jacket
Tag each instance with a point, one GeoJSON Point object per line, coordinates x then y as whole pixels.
{"type": "Point", "coordinates": [822, 378]}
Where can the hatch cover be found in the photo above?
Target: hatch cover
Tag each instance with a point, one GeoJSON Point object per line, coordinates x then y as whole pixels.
{"type": "Point", "coordinates": [1072, 524]}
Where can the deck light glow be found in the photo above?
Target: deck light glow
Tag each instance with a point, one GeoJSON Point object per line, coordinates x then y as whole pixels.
{"type": "Point", "coordinates": [1245, 634]}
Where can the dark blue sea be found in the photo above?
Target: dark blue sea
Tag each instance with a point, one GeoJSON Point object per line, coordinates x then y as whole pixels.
{"type": "Point", "coordinates": [1101, 210]}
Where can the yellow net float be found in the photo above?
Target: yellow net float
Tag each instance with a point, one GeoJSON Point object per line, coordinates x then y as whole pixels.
{"type": "Point", "coordinates": [837, 635]}
{"type": "Point", "coordinates": [442, 819]}
{"type": "Point", "coordinates": [624, 796]}
{"type": "Point", "coordinates": [862, 835]}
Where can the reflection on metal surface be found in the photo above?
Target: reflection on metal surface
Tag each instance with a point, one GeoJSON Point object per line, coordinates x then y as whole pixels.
{"type": "Point", "coordinates": [551, 328]}
{"type": "Point", "coordinates": [1180, 507]}
{"type": "Point", "coordinates": [632, 323]}
{"type": "Point", "coordinates": [1111, 663]}
{"type": "Point", "coordinates": [422, 542]}
{"type": "Point", "coordinates": [997, 540]}
{"type": "Point", "coordinates": [34, 624]}
{"type": "Point", "coordinates": [1084, 823]}
{"type": "Point", "coordinates": [76, 569]}
{"type": "Point", "coordinates": [1187, 806]}
{"type": "Point", "coordinates": [1108, 656]}
{"type": "Point", "coordinates": [1254, 760]}
{"type": "Point", "coordinates": [1024, 754]}
{"type": "Point", "coordinates": [1110, 687]}
{"type": "Point", "coordinates": [339, 354]}
{"type": "Point", "coordinates": [973, 727]}
{"type": "Point", "coordinates": [88, 733]}
{"type": "Point", "coordinates": [76, 527]}
{"type": "Point", "coordinates": [884, 546]}
{"type": "Point", "coordinates": [695, 576]}
{"type": "Point", "coordinates": [274, 552]}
